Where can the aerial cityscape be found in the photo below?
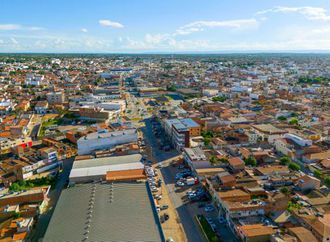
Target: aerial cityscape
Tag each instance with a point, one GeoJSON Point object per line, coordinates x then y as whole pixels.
{"type": "Point", "coordinates": [165, 121]}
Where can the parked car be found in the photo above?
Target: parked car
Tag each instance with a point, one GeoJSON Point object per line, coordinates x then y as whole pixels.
{"type": "Point", "coordinates": [164, 207]}
{"type": "Point", "coordinates": [222, 220]}
{"type": "Point", "coordinates": [209, 208]}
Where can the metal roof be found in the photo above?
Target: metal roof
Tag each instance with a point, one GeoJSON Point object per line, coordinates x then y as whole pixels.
{"type": "Point", "coordinates": [105, 212]}
{"type": "Point", "coordinates": [112, 160]}
{"type": "Point", "coordinates": [100, 166]}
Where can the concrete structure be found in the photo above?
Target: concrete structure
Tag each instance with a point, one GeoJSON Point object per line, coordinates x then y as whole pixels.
{"type": "Point", "coordinates": [55, 97]}
{"type": "Point", "coordinates": [102, 140]}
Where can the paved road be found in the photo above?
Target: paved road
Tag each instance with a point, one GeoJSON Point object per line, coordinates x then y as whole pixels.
{"type": "Point", "coordinates": [54, 194]}
{"type": "Point", "coordinates": [186, 217]}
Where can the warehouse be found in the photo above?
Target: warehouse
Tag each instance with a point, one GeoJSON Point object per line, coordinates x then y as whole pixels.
{"type": "Point", "coordinates": [120, 211]}
{"type": "Point", "coordinates": [96, 169]}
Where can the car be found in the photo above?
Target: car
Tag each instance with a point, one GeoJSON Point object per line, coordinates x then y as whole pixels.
{"type": "Point", "coordinates": [222, 220]}
{"type": "Point", "coordinates": [180, 183]}
{"type": "Point", "coordinates": [209, 220]}
{"type": "Point", "coordinates": [165, 206]}
{"type": "Point", "coordinates": [209, 208]}
{"type": "Point", "coordinates": [213, 226]}
{"type": "Point", "coordinates": [170, 239]}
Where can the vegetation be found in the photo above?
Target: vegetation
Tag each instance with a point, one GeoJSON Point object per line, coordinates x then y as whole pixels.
{"type": "Point", "coordinates": [285, 160]}
{"type": "Point", "coordinates": [285, 190]}
{"type": "Point", "coordinates": [250, 161]}
{"type": "Point", "coordinates": [293, 206]}
{"type": "Point", "coordinates": [208, 135]}
{"type": "Point", "coordinates": [327, 181]}
{"type": "Point", "coordinates": [314, 80]}
{"type": "Point", "coordinates": [318, 174]}
{"type": "Point", "coordinates": [25, 185]}
{"type": "Point", "coordinates": [207, 229]}
{"type": "Point", "coordinates": [282, 118]}
{"type": "Point", "coordinates": [171, 88]}
{"type": "Point", "coordinates": [293, 121]}
{"type": "Point", "coordinates": [219, 99]}
{"type": "Point", "coordinates": [215, 160]}
{"type": "Point", "coordinates": [293, 166]}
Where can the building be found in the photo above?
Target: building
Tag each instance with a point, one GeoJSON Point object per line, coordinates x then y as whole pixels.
{"type": "Point", "coordinates": [105, 140]}
{"type": "Point", "coordinates": [97, 169]}
{"type": "Point", "coordinates": [298, 140]}
{"type": "Point", "coordinates": [255, 232]}
{"type": "Point", "coordinates": [118, 211]}
{"type": "Point", "coordinates": [55, 97]}
{"type": "Point", "coordinates": [181, 130]}
{"type": "Point", "coordinates": [268, 132]}
{"type": "Point", "coordinates": [41, 107]}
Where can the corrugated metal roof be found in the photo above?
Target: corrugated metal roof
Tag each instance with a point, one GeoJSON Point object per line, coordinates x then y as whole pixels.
{"type": "Point", "coordinates": [105, 212]}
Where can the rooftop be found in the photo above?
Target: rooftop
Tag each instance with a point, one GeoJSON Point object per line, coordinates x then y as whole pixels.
{"type": "Point", "coordinates": [105, 212]}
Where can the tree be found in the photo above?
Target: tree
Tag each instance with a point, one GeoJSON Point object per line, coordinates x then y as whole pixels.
{"type": "Point", "coordinates": [285, 160]}
{"type": "Point", "coordinates": [293, 166]}
{"type": "Point", "coordinates": [317, 173]}
{"type": "Point", "coordinates": [284, 190]}
{"type": "Point", "coordinates": [327, 181]}
{"type": "Point", "coordinates": [293, 121]}
{"type": "Point", "coordinates": [250, 161]}
{"type": "Point", "coordinates": [282, 118]}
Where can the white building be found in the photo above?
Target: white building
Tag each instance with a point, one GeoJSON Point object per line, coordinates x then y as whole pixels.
{"type": "Point", "coordinates": [105, 140]}
{"type": "Point", "coordinates": [298, 140]}
{"type": "Point", "coordinates": [210, 92]}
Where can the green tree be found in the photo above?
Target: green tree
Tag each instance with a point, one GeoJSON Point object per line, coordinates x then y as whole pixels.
{"type": "Point", "coordinates": [250, 161]}
{"type": "Point", "coordinates": [327, 181]}
{"type": "Point", "coordinates": [293, 121]}
{"type": "Point", "coordinates": [318, 173]}
{"type": "Point", "coordinates": [284, 190]}
{"type": "Point", "coordinates": [285, 160]}
{"type": "Point", "coordinates": [282, 118]}
{"type": "Point", "coordinates": [293, 166]}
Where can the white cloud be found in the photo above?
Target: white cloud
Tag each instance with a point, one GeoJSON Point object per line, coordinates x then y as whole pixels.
{"type": "Point", "coordinates": [311, 13]}
{"type": "Point", "coordinates": [109, 23]}
{"type": "Point", "coordinates": [14, 41]}
{"type": "Point", "coordinates": [10, 26]}
{"type": "Point", "coordinates": [202, 25]}
{"type": "Point", "coordinates": [84, 30]}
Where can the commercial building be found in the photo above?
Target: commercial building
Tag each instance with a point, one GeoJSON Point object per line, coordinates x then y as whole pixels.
{"type": "Point", "coordinates": [119, 211]}
{"type": "Point", "coordinates": [105, 140]}
{"type": "Point", "coordinates": [96, 169]}
{"type": "Point", "coordinates": [181, 130]}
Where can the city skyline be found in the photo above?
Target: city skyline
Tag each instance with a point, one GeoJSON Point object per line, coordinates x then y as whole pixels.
{"type": "Point", "coordinates": [164, 27]}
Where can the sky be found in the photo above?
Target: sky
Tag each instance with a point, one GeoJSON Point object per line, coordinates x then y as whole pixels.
{"type": "Point", "coordinates": [157, 26]}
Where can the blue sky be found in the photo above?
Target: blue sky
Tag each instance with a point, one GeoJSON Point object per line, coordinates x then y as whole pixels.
{"type": "Point", "coordinates": [140, 26]}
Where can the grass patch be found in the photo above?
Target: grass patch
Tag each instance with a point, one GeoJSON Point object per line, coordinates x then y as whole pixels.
{"type": "Point", "coordinates": [207, 229]}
